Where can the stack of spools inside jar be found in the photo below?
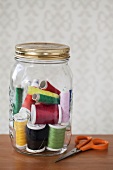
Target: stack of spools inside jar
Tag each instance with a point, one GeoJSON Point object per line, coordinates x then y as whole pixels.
{"type": "Point", "coordinates": [41, 116]}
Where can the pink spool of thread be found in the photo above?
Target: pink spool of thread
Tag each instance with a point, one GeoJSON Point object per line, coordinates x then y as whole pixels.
{"type": "Point", "coordinates": [64, 102]}
{"type": "Point", "coordinates": [46, 114]}
{"type": "Point", "coordinates": [45, 85]}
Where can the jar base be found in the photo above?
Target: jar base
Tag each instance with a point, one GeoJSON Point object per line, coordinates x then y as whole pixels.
{"type": "Point", "coordinates": [45, 153]}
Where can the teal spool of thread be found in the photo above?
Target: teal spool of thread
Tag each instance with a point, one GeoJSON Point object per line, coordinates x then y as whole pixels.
{"type": "Point", "coordinates": [46, 99]}
{"type": "Point", "coordinates": [18, 99]}
{"type": "Point", "coordinates": [56, 137]}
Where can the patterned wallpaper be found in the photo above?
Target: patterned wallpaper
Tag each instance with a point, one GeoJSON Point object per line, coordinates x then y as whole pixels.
{"type": "Point", "coordinates": [87, 27]}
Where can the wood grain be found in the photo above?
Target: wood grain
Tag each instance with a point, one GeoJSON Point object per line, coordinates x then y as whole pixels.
{"type": "Point", "coordinates": [89, 160]}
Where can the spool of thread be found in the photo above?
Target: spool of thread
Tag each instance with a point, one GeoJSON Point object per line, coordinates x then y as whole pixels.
{"type": "Point", "coordinates": [45, 99]}
{"type": "Point", "coordinates": [25, 110]}
{"type": "Point", "coordinates": [25, 84]}
{"type": "Point", "coordinates": [70, 101]}
{"type": "Point", "coordinates": [35, 83]}
{"type": "Point", "coordinates": [28, 102]}
{"type": "Point", "coordinates": [33, 90]}
{"type": "Point", "coordinates": [70, 94]}
{"type": "Point", "coordinates": [37, 137]}
{"type": "Point", "coordinates": [18, 99]}
{"type": "Point", "coordinates": [64, 102]}
{"type": "Point", "coordinates": [46, 114]}
{"type": "Point", "coordinates": [56, 137]}
{"type": "Point", "coordinates": [28, 99]}
{"type": "Point", "coordinates": [20, 121]}
{"type": "Point", "coordinates": [45, 85]}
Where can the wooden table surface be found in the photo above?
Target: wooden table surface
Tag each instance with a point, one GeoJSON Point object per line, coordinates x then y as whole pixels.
{"type": "Point", "coordinates": [89, 160]}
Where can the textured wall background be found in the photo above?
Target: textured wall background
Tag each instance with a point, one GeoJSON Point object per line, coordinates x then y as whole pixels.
{"type": "Point", "coordinates": [87, 27]}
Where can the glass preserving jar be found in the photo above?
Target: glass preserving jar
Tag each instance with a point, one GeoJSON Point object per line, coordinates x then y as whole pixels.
{"type": "Point", "coordinates": [40, 95]}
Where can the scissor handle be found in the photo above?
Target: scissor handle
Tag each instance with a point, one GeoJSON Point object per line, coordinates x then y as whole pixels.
{"type": "Point", "coordinates": [82, 140]}
{"type": "Point", "coordinates": [96, 143]}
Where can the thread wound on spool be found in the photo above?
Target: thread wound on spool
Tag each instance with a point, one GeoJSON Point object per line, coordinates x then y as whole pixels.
{"type": "Point", "coordinates": [28, 102]}
{"type": "Point", "coordinates": [25, 83]}
{"type": "Point", "coordinates": [56, 137]}
{"type": "Point", "coordinates": [34, 90]}
{"type": "Point", "coordinates": [45, 114]}
{"type": "Point", "coordinates": [45, 99]}
{"type": "Point", "coordinates": [37, 137]}
{"type": "Point", "coordinates": [35, 83]}
{"type": "Point", "coordinates": [64, 102]}
{"type": "Point", "coordinates": [45, 85]}
{"type": "Point", "coordinates": [18, 99]}
{"type": "Point", "coordinates": [70, 101]}
{"type": "Point", "coordinates": [19, 126]}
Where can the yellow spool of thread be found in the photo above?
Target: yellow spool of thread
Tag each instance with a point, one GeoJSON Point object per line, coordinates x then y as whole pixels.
{"type": "Point", "coordinates": [34, 90]}
{"type": "Point", "coordinates": [20, 130]}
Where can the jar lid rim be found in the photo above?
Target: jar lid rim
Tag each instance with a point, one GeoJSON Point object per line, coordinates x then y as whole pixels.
{"type": "Point", "coordinates": [42, 51]}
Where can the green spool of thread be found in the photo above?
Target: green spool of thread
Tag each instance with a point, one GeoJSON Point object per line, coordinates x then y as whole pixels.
{"type": "Point", "coordinates": [18, 99]}
{"type": "Point", "coordinates": [46, 99]}
{"type": "Point", "coordinates": [56, 137]}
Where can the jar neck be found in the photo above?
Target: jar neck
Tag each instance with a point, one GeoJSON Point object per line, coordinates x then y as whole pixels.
{"type": "Point", "coordinates": [35, 61]}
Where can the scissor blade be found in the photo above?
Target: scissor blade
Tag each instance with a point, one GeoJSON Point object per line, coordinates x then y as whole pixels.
{"type": "Point", "coordinates": [70, 153]}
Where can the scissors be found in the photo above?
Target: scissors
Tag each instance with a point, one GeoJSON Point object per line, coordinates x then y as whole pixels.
{"type": "Point", "coordinates": [84, 143]}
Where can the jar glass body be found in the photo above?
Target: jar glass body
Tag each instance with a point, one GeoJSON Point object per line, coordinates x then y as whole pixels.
{"type": "Point", "coordinates": [40, 111]}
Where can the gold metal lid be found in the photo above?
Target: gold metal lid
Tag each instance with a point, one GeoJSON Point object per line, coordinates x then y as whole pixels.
{"type": "Point", "coordinates": [42, 51]}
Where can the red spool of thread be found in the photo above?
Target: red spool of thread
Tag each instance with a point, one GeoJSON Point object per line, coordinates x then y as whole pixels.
{"type": "Point", "coordinates": [44, 114]}
{"type": "Point", "coordinates": [45, 85]}
{"type": "Point", "coordinates": [28, 102]}
{"type": "Point", "coordinates": [28, 99]}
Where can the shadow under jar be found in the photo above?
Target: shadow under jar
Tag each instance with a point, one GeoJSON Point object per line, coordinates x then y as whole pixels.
{"type": "Point", "coordinates": [40, 96]}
